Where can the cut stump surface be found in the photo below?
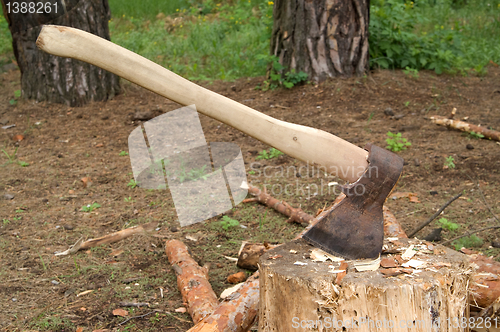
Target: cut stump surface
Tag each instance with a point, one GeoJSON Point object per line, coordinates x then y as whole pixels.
{"type": "Point", "coordinates": [298, 294]}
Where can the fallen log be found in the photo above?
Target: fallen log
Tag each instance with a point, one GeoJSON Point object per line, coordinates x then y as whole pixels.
{"type": "Point", "coordinates": [237, 314]}
{"type": "Point", "coordinates": [192, 281]}
{"type": "Point", "coordinates": [467, 127]}
{"type": "Point", "coordinates": [294, 214]}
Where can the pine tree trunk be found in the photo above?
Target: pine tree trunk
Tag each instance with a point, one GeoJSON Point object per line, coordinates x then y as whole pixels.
{"type": "Point", "coordinates": [50, 78]}
{"type": "Point", "coordinates": [323, 38]}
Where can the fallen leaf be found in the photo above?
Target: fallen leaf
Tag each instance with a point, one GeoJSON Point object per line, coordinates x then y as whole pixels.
{"type": "Point", "coordinates": [237, 278]}
{"type": "Point", "coordinates": [116, 252]}
{"type": "Point", "coordinates": [79, 329]}
{"type": "Point", "coordinates": [87, 182]}
{"type": "Point", "coordinates": [274, 257]}
{"type": "Point", "coordinates": [181, 310]}
{"type": "Point", "coordinates": [83, 309]}
{"type": "Point", "coordinates": [413, 197]}
{"type": "Point", "coordinates": [100, 145]}
{"type": "Point", "coordinates": [18, 138]}
{"type": "Point", "coordinates": [120, 312]}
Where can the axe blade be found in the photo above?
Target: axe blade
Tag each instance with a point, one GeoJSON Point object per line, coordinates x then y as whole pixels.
{"type": "Point", "coordinates": [355, 228]}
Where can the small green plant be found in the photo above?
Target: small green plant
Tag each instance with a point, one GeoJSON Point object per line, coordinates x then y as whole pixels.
{"type": "Point", "coordinates": [90, 207]}
{"type": "Point", "coordinates": [448, 225]}
{"type": "Point", "coordinates": [123, 153]}
{"type": "Point", "coordinates": [411, 72]}
{"type": "Point", "coordinates": [17, 94]}
{"type": "Point", "coordinates": [228, 222]}
{"type": "Point", "coordinates": [407, 103]}
{"type": "Point", "coordinates": [11, 157]}
{"type": "Point", "coordinates": [273, 153]}
{"type": "Point", "coordinates": [43, 263]}
{"type": "Point", "coordinates": [128, 199]}
{"type": "Point", "coordinates": [467, 242]}
{"type": "Point", "coordinates": [473, 134]}
{"type": "Point", "coordinates": [132, 184]}
{"type": "Point", "coordinates": [277, 76]}
{"type": "Point", "coordinates": [449, 162]}
{"type": "Point", "coordinates": [251, 172]}
{"type": "Point", "coordinates": [6, 221]}
{"type": "Point", "coordinates": [396, 143]}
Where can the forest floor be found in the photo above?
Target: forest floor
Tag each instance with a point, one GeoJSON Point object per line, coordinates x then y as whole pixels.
{"type": "Point", "coordinates": [41, 203]}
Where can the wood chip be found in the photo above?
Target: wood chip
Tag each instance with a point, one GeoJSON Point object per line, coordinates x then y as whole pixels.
{"type": "Point", "coordinates": [120, 312]}
{"type": "Point", "coordinates": [388, 262]}
{"type": "Point", "coordinates": [85, 292]}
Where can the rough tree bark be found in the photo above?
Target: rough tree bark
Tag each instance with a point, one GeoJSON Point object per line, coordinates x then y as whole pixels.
{"type": "Point", "coordinates": [323, 38]}
{"type": "Point", "coordinates": [46, 77]}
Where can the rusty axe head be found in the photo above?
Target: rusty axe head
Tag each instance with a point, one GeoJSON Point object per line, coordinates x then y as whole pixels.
{"type": "Point", "coordinates": [355, 227]}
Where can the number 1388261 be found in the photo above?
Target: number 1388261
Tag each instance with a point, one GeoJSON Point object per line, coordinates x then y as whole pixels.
{"type": "Point", "coordinates": [31, 7]}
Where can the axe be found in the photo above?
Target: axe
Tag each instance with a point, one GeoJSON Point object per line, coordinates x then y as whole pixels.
{"type": "Point", "coordinates": [354, 229]}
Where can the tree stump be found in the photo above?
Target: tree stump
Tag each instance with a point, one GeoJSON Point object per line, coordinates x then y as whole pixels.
{"type": "Point", "coordinates": [428, 293]}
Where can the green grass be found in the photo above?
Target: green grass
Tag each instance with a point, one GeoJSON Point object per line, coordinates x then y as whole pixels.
{"type": "Point", "coordinates": [147, 9]}
{"type": "Point", "coordinates": [208, 40]}
{"type": "Point", "coordinates": [223, 45]}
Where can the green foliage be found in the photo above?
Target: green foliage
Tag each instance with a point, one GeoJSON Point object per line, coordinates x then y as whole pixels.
{"type": "Point", "coordinates": [449, 162]}
{"type": "Point", "coordinates": [228, 222]}
{"type": "Point", "coordinates": [436, 35]}
{"type": "Point", "coordinates": [448, 225]}
{"type": "Point", "coordinates": [6, 221]}
{"type": "Point", "coordinates": [473, 134]}
{"type": "Point", "coordinates": [396, 42]}
{"type": "Point", "coordinates": [396, 142]}
{"type": "Point", "coordinates": [123, 153]}
{"type": "Point", "coordinates": [278, 77]}
{"type": "Point", "coordinates": [128, 199]}
{"type": "Point", "coordinates": [223, 45]}
{"type": "Point", "coordinates": [273, 153]}
{"type": "Point", "coordinates": [468, 242]}
{"type": "Point", "coordinates": [411, 72]}
{"type": "Point", "coordinates": [90, 207]}
{"type": "Point", "coordinates": [12, 157]}
{"type": "Point", "coordinates": [132, 184]}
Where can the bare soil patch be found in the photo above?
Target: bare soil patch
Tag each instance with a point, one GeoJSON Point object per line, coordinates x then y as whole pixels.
{"type": "Point", "coordinates": [41, 204]}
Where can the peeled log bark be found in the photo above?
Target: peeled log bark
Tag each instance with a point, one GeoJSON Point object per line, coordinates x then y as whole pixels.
{"type": "Point", "coordinates": [485, 283]}
{"type": "Point", "coordinates": [50, 78]}
{"type": "Point", "coordinates": [297, 297]}
{"type": "Point", "coordinates": [294, 214]}
{"type": "Point", "coordinates": [323, 38]}
{"type": "Point", "coordinates": [192, 281]}
{"type": "Point", "coordinates": [464, 126]}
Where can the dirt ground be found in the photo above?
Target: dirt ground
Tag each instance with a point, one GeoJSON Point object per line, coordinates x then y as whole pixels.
{"type": "Point", "coordinates": [41, 204]}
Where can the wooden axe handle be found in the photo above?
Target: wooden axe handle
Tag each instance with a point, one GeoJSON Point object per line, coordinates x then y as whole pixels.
{"type": "Point", "coordinates": [340, 157]}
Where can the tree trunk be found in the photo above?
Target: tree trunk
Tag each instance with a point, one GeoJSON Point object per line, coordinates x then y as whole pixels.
{"type": "Point", "coordinates": [50, 78]}
{"type": "Point", "coordinates": [323, 38]}
{"type": "Point", "coordinates": [298, 294]}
